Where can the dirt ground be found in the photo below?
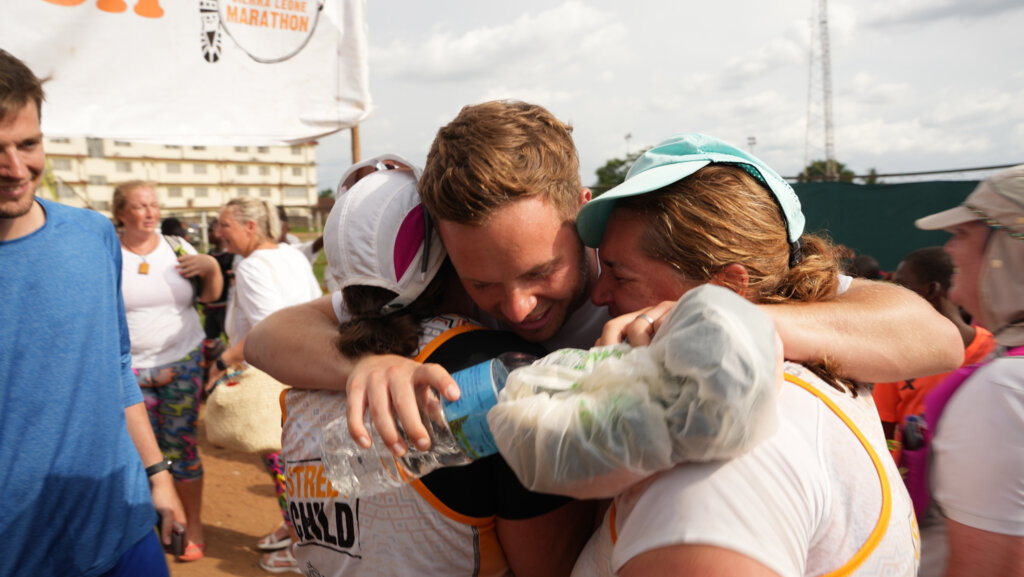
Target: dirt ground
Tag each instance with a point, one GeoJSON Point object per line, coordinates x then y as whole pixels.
{"type": "Point", "coordinates": [239, 507]}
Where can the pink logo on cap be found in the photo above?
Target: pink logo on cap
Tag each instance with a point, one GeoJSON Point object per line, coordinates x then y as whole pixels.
{"type": "Point", "coordinates": [408, 240]}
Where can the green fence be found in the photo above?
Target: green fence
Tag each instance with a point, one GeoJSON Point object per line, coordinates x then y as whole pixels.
{"type": "Point", "coordinates": [879, 219]}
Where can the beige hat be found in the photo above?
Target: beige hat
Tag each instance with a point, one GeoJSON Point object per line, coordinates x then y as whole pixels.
{"type": "Point", "coordinates": [998, 200]}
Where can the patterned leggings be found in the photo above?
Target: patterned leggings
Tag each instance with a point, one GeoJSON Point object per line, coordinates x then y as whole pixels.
{"type": "Point", "coordinates": [274, 465]}
{"type": "Point", "coordinates": [171, 393]}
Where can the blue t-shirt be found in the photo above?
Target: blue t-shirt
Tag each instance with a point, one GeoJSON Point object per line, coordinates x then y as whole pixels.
{"type": "Point", "coordinates": [73, 493]}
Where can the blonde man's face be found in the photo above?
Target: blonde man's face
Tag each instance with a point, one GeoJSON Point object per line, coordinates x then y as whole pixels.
{"type": "Point", "coordinates": [525, 266]}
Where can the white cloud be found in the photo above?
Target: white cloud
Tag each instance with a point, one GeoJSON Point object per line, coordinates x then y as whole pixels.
{"type": "Point", "coordinates": [532, 44]}
{"type": "Point", "coordinates": [917, 12]}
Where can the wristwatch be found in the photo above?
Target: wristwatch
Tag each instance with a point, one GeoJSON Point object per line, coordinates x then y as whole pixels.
{"type": "Point", "coordinates": [158, 466]}
{"type": "Point", "coordinates": [219, 363]}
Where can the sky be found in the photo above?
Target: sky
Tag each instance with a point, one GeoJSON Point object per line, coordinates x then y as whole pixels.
{"type": "Point", "coordinates": [917, 85]}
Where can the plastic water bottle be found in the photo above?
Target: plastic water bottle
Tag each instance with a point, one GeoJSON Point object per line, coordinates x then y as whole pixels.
{"type": "Point", "coordinates": [458, 434]}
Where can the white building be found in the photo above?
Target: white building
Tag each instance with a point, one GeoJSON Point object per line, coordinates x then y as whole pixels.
{"type": "Point", "coordinates": [192, 182]}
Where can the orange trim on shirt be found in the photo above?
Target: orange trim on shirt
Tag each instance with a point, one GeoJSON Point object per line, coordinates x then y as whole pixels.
{"type": "Point", "coordinates": [883, 519]}
{"type": "Point", "coordinates": [442, 338]}
{"type": "Point", "coordinates": [611, 521]}
{"type": "Point", "coordinates": [445, 510]}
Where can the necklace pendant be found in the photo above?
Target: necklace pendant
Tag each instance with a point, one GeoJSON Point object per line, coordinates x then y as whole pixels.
{"type": "Point", "coordinates": [143, 268]}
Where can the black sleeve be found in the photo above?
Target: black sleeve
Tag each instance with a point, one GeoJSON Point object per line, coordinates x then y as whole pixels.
{"type": "Point", "coordinates": [488, 486]}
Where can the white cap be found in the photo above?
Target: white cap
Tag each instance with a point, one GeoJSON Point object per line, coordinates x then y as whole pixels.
{"type": "Point", "coordinates": [376, 233]}
{"type": "Point", "coordinates": [370, 165]}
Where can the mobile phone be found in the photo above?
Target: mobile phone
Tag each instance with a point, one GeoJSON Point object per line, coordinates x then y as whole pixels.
{"type": "Point", "coordinates": [177, 542]}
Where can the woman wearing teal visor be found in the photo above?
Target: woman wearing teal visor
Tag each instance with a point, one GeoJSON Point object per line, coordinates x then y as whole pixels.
{"type": "Point", "coordinates": [821, 495]}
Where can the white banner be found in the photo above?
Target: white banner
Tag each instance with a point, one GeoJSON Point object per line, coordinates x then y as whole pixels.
{"type": "Point", "coordinates": [202, 72]}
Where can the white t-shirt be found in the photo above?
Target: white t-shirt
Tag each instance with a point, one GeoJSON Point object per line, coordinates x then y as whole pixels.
{"type": "Point", "coordinates": [266, 281]}
{"type": "Point", "coordinates": [978, 450]}
{"type": "Point", "coordinates": [804, 502]}
{"type": "Point", "coordinates": [162, 321]}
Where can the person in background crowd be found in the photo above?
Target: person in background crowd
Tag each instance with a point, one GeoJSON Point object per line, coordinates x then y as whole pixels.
{"type": "Point", "coordinates": [926, 271]}
{"type": "Point", "coordinates": [977, 476]}
{"type": "Point", "coordinates": [159, 302]}
{"type": "Point", "coordinates": [172, 226]}
{"type": "Point", "coordinates": [820, 496]}
{"type": "Point", "coordinates": [502, 183]}
{"type": "Point", "coordinates": [866, 267]}
{"type": "Point", "coordinates": [215, 312]}
{"type": "Point", "coordinates": [270, 276]}
{"type": "Point", "coordinates": [82, 471]}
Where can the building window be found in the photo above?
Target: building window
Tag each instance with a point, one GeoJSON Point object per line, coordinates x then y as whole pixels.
{"type": "Point", "coordinates": [95, 147]}
{"type": "Point", "coordinates": [296, 150]}
{"type": "Point", "coordinates": [263, 149]}
{"type": "Point", "coordinates": [296, 171]}
{"type": "Point", "coordinates": [172, 146]}
{"type": "Point", "coordinates": [198, 148]}
{"type": "Point", "coordinates": [243, 191]}
{"type": "Point", "coordinates": [241, 149]}
{"type": "Point", "coordinates": [101, 204]}
{"type": "Point", "coordinates": [199, 168]}
{"type": "Point", "coordinates": [202, 192]}
{"type": "Point", "coordinates": [174, 192]}
{"type": "Point", "coordinates": [241, 169]}
{"type": "Point", "coordinates": [122, 143]}
{"type": "Point", "coordinates": [123, 166]}
{"type": "Point", "coordinates": [294, 192]}
{"type": "Point", "coordinates": [264, 192]}
{"type": "Point", "coordinates": [64, 190]}
{"type": "Point", "coordinates": [97, 179]}
{"type": "Point", "coordinates": [264, 170]}
{"type": "Point", "coordinates": [173, 168]}
{"type": "Point", "coordinates": [60, 140]}
{"type": "Point", "coordinates": [60, 163]}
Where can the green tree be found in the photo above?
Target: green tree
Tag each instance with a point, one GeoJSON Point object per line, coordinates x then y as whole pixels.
{"type": "Point", "coordinates": [815, 172]}
{"type": "Point", "coordinates": [613, 173]}
{"type": "Point", "coordinates": [872, 177]}
{"type": "Point", "coordinates": [325, 193]}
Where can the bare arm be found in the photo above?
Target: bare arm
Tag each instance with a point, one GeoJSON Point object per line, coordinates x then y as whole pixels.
{"type": "Point", "coordinates": [873, 332]}
{"type": "Point", "coordinates": [165, 498]}
{"type": "Point", "coordinates": [977, 552]}
{"type": "Point", "coordinates": [547, 546]}
{"type": "Point", "coordinates": [703, 560]}
{"type": "Point", "coordinates": [296, 346]}
{"type": "Point", "coordinates": [206, 268]}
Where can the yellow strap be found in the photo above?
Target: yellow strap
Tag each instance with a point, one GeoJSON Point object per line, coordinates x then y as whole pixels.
{"type": "Point", "coordinates": [418, 485]}
{"type": "Point", "coordinates": [883, 519]}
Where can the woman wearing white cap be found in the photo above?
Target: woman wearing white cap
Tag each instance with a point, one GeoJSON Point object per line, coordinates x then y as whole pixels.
{"type": "Point", "coordinates": [821, 495]}
{"type": "Point", "coordinates": [471, 520]}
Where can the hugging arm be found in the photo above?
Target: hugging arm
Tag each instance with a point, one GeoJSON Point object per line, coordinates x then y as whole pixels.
{"type": "Point", "coordinates": [295, 345]}
{"type": "Point", "coordinates": [873, 332]}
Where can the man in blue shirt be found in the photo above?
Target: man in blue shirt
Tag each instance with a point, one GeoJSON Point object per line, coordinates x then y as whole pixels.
{"type": "Point", "coordinates": [77, 498]}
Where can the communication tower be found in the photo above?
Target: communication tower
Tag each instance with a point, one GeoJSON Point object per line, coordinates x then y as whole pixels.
{"type": "Point", "coordinates": [819, 93]}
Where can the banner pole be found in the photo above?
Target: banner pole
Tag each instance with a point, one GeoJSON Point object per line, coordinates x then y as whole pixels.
{"type": "Point", "coordinates": [355, 144]}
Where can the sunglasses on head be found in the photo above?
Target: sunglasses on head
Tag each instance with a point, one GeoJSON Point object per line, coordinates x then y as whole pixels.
{"type": "Point", "coordinates": [362, 169]}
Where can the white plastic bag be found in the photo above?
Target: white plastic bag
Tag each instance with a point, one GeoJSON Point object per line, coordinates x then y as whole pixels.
{"type": "Point", "coordinates": [589, 424]}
